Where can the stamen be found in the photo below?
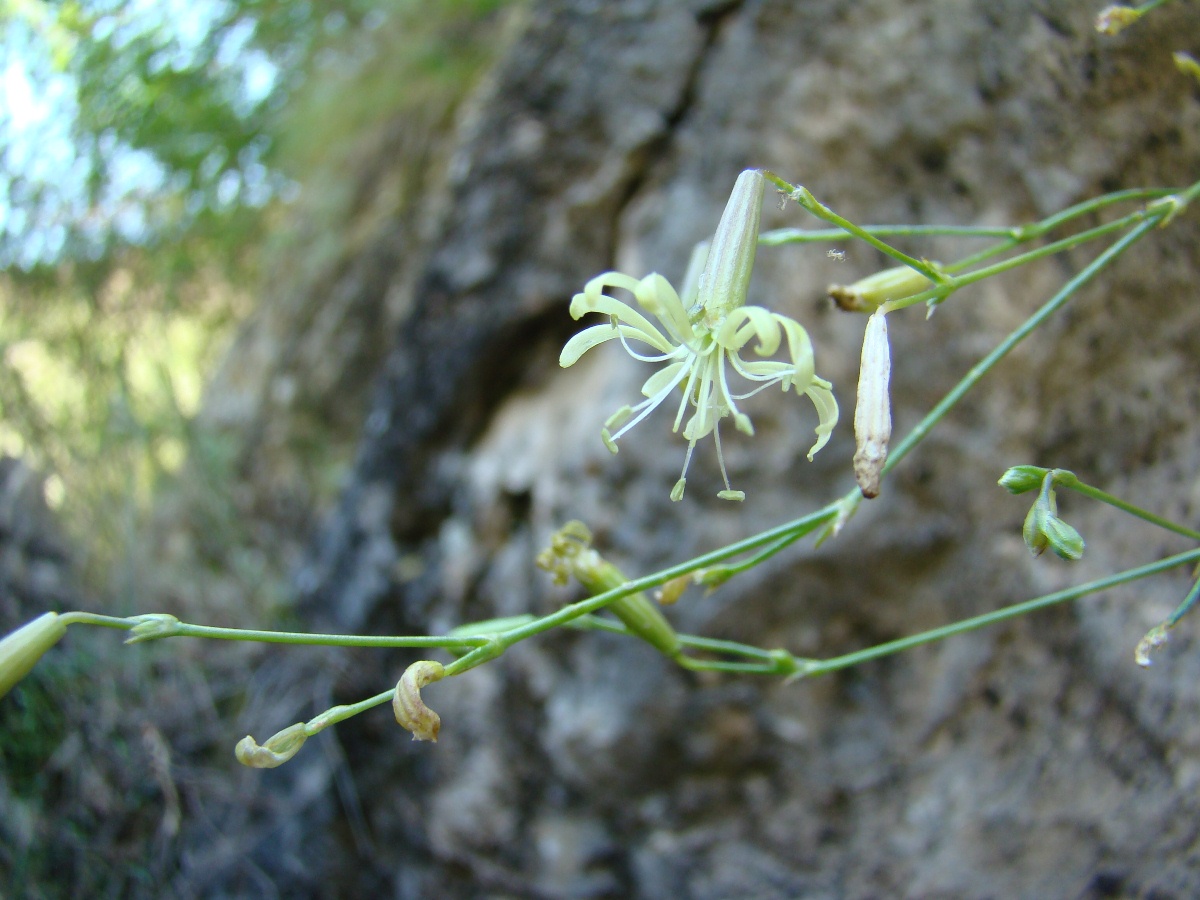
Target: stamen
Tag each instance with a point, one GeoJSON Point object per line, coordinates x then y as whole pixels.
{"type": "Point", "coordinates": [648, 406]}
{"type": "Point", "coordinates": [641, 357]}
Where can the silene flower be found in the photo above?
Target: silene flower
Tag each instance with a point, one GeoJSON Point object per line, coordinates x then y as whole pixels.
{"type": "Point", "coordinates": [703, 334]}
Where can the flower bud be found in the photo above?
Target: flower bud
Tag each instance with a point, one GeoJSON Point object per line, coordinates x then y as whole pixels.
{"type": "Point", "coordinates": [152, 626]}
{"type": "Point", "coordinates": [411, 711]}
{"type": "Point", "coordinates": [671, 591]}
{"type": "Point", "coordinates": [570, 553]}
{"type": "Point", "coordinates": [1020, 479]}
{"type": "Point", "coordinates": [873, 414]}
{"type": "Point", "coordinates": [726, 277]}
{"type": "Point", "coordinates": [1187, 64]}
{"type": "Point", "coordinates": [1044, 529]}
{"type": "Point", "coordinates": [866, 294]}
{"type": "Point", "coordinates": [21, 649]}
{"type": "Point", "coordinates": [1115, 19]}
{"type": "Point", "coordinates": [279, 748]}
{"type": "Point", "coordinates": [1065, 541]}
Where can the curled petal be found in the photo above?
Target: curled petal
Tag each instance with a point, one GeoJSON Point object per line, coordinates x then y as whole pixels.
{"type": "Point", "coordinates": [801, 351]}
{"type": "Point", "coordinates": [655, 295]}
{"type": "Point", "coordinates": [595, 287]}
{"type": "Point", "coordinates": [746, 322]}
{"type": "Point", "coordinates": [582, 304]}
{"type": "Point", "coordinates": [821, 394]}
{"type": "Point", "coordinates": [585, 341]}
{"type": "Point", "coordinates": [279, 748]}
{"type": "Point", "coordinates": [411, 711]}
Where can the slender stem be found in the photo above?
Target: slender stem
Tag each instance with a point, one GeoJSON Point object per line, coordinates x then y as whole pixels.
{"type": "Point", "coordinates": [981, 368]}
{"type": "Point", "coordinates": [1188, 602]}
{"type": "Point", "coordinates": [716, 575]}
{"type": "Point", "coordinates": [213, 632]}
{"type": "Point", "coordinates": [820, 667]}
{"type": "Point", "coordinates": [87, 618]}
{"type": "Point", "coordinates": [1013, 235]}
{"type": "Point", "coordinates": [1104, 497]}
{"type": "Point", "coordinates": [341, 713]}
{"type": "Point", "coordinates": [805, 198]}
{"type": "Point", "coordinates": [780, 236]}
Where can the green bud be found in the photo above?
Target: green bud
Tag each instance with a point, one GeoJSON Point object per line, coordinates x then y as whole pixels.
{"type": "Point", "coordinates": [1186, 64]}
{"type": "Point", "coordinates": [1033, 531]}
{"type": "Point", "coordinates": [21, 649]}
{"type": "Point", "coordinates": [152, 626]}
{"type": "Point", "coordinates": [1020, 479]}
{"type": "Point", "coordinates": [1044, 529]}
{"type": "Point", "coordinates": [1064, 540]}
{"type": "Point", "coordinates": [866, 294]}
{"type": "Point", "coordinates": [725, 280]}
{"type": "Point", "coordinates": [1115, 19]}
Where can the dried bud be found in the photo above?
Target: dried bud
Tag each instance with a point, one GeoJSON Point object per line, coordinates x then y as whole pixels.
{"type": "Point", "coordinates": [571, 553]}
{"type": "Point", "coordinates": [1155, 638]}
{"type": "Point", "coordinates": [1020, 479]}
{"type": "Point", "coordinates": [411, 711]}
{"type": "Point", "coordinates": [21, 649]}
{"type": "Point", "coordinates": [1115, 19]}
{"type": "Point", "coordinates": [866, 294]}
{"type": "Point", "coordinates": [873, 414]}
{"type": "Point", "coordinates": [279, 748]}
{"type": "Point", "coordinates": [730, 260]}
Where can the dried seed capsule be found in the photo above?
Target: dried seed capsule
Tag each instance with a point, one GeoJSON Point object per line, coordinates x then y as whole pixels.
{"type": "Point", "coordinates": [279, 748]}
{"type": "Point", "coordinates": [411, 711]}
{"type": "Point", "coordinates": [873, 414]}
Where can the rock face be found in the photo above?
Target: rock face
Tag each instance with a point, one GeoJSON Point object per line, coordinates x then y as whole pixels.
{"type": "Point", "coordinates": [1027, 760]}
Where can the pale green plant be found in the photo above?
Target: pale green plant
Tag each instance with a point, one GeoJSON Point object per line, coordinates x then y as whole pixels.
{"type": "Point", "coordinates": [571, 555]}
{"type": "Point", "coordinates": [705, 327]}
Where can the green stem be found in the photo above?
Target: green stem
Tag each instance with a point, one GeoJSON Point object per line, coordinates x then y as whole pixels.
{"type": "Point", "coordinates": [1188, 602]}
{"type": "Point", "coordinates": [87, 618]}
{"type": "Point", "coordinates": [1013, 235]}
{"type": "Point", "coordinates": [327, 640]}
{"type": "Point", "coordinates": [981, 368]}
{"type": "Point", "coordinates": [341, 713]}
{"type": "Point", "coordinates": [1104, 497]}
{"type": "Point", "coordinates": [805, 198]}
{"type": "Point", "coordinates": [820, 667]}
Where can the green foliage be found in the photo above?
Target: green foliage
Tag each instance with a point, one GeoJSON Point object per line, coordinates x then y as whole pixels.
{"type": "Point", "coordinates": [195, 130]}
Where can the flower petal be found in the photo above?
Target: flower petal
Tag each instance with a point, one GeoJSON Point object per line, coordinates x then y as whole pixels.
{"type": "Point", "coordinates": [655, 295]}
{"type": "Point", "coordinates": [667, 375]}
{"type": "Point", "coordinates": [585, 341]}
{"type": "Point", "coordinates": [821, 394]}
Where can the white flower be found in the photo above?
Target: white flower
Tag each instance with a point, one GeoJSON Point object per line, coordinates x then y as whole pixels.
{"type": "Point", "coordinates": [695, 352]}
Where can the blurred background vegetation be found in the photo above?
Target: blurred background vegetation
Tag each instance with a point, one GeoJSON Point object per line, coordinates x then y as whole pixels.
{"type": "Point", "coordinates": [168, 167]}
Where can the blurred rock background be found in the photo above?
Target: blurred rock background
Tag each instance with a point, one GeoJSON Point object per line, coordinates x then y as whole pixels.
{"type": "Point", "coordinates": [381, 440]}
